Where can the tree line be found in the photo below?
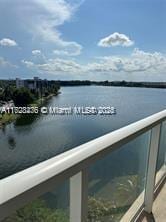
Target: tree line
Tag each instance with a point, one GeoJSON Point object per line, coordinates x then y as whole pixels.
{"type": "Point", "coordinates": [24, 96]}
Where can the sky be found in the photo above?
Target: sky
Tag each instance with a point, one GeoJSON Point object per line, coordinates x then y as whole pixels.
{"type": "Point", "coordinates": [83, 39]}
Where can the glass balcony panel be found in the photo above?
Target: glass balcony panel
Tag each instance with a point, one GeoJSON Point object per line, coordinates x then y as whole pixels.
{"type": "Point", "coordinates": [117, 180]}
{"type": "Point", "coordinates": [162, 146]}
{"type": "Point", "coordinates": [161, 167]}
{"type": "Point", "coordinates": [53, 206]}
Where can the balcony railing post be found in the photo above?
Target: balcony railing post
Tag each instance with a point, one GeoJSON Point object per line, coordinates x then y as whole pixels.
{"type": "Point", "coordinates": [79, 197]}
{"type": "Point", "coordinates": [165, 158]}
{"type": "Point", "coordinates": [151, 168]}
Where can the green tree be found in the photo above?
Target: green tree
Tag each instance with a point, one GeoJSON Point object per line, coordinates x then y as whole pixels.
{"type": "Point", "coordinates": [37, 211]}
{"type": "Point", "coordinates": [22, 97]}
{"type": "Point", "coordinates": [7, 93]}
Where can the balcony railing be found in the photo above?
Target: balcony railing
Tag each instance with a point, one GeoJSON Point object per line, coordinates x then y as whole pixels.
{"type": "Point", "coordinates": [23, 187]}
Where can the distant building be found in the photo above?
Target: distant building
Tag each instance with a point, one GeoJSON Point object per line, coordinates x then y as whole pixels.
{"type": "Point", "coordinates": [19, 83]}
{"type": "Point", "coordinates": [34, 84]}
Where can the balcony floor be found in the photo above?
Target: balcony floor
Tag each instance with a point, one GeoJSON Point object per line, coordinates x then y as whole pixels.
{"type": "Point", "coordinates": [159, 208]}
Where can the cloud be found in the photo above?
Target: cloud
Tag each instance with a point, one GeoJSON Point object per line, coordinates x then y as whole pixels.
{"type": "Point", "coordinates": [29, 64]}
{"type": "Point", "coordinates": [7, 42]}
{"type": "Point", "coordinates": [4, 63]}
{"type": "Point", "coordinates": [42, 19]}
{"type": "Point", "coordinates": [73, 50]}
{"type": "Point", "coordinates": [36, 52]}
{"type": "Point", "coordinates": [38, 56]}
{"type": "Point", "coordinates": [52, 66]}
{"type": "Point", "coordinates": [137, 62]}
{"type": "Point", "coordinates": [115, 39]}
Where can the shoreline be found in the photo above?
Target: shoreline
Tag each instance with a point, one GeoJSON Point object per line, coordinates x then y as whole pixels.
{"type": "Point", "coordinates": [9, 118]}
{"type": "Point", "coordinates": [123, 83]}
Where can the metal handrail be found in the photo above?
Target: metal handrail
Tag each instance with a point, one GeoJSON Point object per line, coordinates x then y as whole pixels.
{"type": "Point", "coordinates": [24, 186]}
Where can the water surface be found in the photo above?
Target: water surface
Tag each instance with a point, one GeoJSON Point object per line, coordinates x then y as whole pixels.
{"type": "Point", "coordinates": [32, 139]}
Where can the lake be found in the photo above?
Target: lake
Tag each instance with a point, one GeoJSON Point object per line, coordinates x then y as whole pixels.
{"type": "Point", "coordinates": [115, 180]}
{"type": "Point", "coordinates": [32, 139]}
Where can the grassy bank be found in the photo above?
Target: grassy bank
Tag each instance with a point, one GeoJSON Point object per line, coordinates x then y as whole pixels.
{"type": "Point", "coordinates": [7, 118]}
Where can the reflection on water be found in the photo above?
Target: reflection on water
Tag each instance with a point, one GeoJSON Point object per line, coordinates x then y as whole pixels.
{"type": "Point", "coordinates": [114, 181]}
{"type": "Point", "coordinates": [11, 142]}
{"type": "Point", "coordinates": [26, 120]}
{"type": "Point", "coordinates": [35, 138]}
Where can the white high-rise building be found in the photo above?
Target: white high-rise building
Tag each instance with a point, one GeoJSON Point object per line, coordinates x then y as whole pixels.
{"type": "Point", "coordinates": [19, 83]}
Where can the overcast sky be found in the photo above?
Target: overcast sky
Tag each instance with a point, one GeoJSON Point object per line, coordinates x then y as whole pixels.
{"type": "Point", "coordinates": [83, 39]}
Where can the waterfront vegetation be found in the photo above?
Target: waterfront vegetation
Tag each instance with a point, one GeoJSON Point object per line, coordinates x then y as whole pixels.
{"type": "Point", "coordinates": [23, 97]}
{"type": "Point", "coordinates": [37, 211]}
{"type": "Point", "coordinates": [7, 118]}
{"type": "Point", "coordinates": [99, 209]}
{"type": "Point", "coordinates": [122, 83]}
